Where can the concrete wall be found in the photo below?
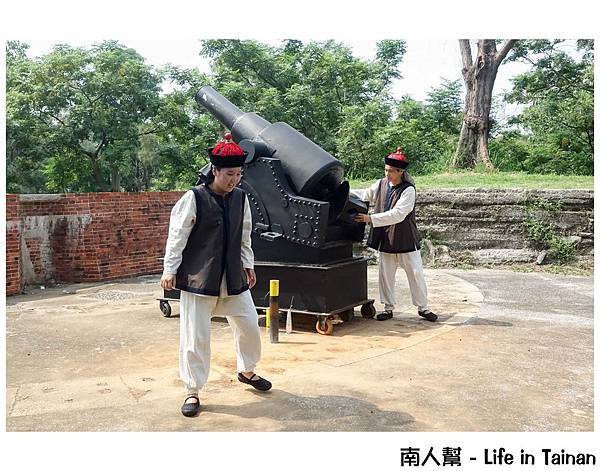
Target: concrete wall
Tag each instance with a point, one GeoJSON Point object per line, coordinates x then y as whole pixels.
{"type": "Point", "coordinates": [103, 236]}
{"type": "Point", "coordinates": [491, 222]}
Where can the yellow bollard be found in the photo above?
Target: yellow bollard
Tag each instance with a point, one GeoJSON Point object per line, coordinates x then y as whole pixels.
{"type": "Point", "coordinates": [274, 288]}
{"type": "Point", "coordinates": [274, 311]}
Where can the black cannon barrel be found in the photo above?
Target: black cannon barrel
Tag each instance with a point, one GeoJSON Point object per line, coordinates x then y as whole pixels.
{"type": "Point", "coordinates": [219, 106]}
{"type": "Point", "coordinates": [314, 172]}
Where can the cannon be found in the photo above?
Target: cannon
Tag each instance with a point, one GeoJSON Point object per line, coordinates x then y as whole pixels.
{"type": "Point", "coordinates": [303, 217]}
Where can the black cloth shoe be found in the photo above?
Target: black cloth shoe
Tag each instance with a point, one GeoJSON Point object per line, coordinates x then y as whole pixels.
{"type": "Point", "coordinates": [256, 382]}
{"type": "Point", "coordinates": [428, 315]}
{"type": "Point", "coordinates": [384, 316]}
{"type": "Point", "coordinates": [190, 409]}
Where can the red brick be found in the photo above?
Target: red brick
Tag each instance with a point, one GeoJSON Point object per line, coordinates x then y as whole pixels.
{"type": "Point", "coordinates": [126, 235]}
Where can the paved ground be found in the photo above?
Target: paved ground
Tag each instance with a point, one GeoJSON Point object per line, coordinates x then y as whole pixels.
{"type": "Point", "coordinates": [513, 352]}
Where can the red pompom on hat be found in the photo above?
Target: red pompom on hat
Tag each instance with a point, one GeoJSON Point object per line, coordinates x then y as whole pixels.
{"type": "Point", "coordinates": [397, 159]}
{"type": "Point", "coordinates": [227, 153]}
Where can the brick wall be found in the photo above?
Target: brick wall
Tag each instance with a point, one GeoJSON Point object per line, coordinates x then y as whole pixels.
{"type": "Point", "coordinates": [87, 237]}
{"type": "Point", "coordinates": [13, 246]}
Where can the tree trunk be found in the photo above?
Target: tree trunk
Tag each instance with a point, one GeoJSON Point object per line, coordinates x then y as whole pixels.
{"type": "Point", "coordinates": [96, 170]}
{"type": "Point", "coordinates": [115, 179]}
{"type": "Point", "coordinates": [479, 77]}
{"type": "Point", "coordinates": [97, 174]}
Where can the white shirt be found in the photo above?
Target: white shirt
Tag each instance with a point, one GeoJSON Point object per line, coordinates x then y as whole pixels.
{"type": "Point", "coordinates": [183, 218]}
{"type": "Point", "coordinates": [398, 213]}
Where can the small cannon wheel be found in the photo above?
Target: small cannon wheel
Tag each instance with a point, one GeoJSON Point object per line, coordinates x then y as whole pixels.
{"type": "Point", "coordinates": [165, 307]}
{"type": "Point", "coordinates": [347, 315]}
{"type": "Point", "coordinates": [324, 326]}
{"type": "Point", "coordinates": [368, 310]}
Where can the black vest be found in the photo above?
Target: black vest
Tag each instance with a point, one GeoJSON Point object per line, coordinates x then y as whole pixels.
{"type": "Point", "coordinates": [397, 238]}
{"type": "Point", "coordinates": [214, 246]}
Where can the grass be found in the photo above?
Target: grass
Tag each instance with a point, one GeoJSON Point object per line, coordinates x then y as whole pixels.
{"type": "Point", "coordinates": [471, 179]}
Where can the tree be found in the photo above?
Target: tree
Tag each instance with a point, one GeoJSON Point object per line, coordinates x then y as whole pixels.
{"type": "Point", "coordinates": [93, 119]}
{"type": "Point", "coordinates": [87, 109]}
{"type": "Point", "coordinates": [186, 131]}
{"type": "Point", "coordinates": [558, 95]}
{"type": "Point", "coordinates": [27, 146]}
{"type": "Point", "coordinates": [479, 77]}
{"type": "Point", "coordinates": [444, 104]}
{"type": "Point", "coordinates": [319, 88]}
{"type": "Point", "coordinates": [416, 128]}
{"type": "Point", "coordinates": [359, 139]}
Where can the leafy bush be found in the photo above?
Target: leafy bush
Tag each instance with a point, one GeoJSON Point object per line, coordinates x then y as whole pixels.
{"type": "Point", "coordinates": [544, 236]}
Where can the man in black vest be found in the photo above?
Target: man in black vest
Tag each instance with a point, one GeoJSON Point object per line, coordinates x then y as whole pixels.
{"type": "Point", "coordinates": [394, 233]}
{"type": "Point", "coordinates": [209, 257]}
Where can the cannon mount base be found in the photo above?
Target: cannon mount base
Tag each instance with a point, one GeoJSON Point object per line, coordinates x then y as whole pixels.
{"type": "Point", "coordinates": [318, 289]}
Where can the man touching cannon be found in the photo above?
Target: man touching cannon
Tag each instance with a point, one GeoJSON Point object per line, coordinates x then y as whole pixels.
{"type": "Point", "coordinates": [394, 234]}
{"type": "Point", "coordinates": [209, 257]}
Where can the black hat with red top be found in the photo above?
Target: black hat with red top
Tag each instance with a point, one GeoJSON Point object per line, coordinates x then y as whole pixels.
{"type": "Point", "coordinates": [397, 159]}
{"type": "Point", "coordinates": [227, 154]}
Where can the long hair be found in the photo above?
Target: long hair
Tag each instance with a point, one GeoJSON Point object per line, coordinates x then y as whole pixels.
{"type": "Point", "coordinates": [408, 178]}
{"type": "Point", "coordinates": [208, 179]}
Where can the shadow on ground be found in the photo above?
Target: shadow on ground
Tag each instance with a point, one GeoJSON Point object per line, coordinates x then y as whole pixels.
{"type": "Point", "coordinates": [316, 413]}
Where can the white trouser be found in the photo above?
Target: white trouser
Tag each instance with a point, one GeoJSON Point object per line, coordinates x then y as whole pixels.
{"type": "Point", "coordinates": [413, 267]}
{"type": "Point", "coordinates": [194, 334]}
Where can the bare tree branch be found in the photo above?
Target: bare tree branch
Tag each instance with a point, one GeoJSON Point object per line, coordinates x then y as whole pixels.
{"type": "Point", "coordinates": [251, 65]}
{"type": "Point", "coordinates": [91, 155]}
{"type": "Point", "coordinates": [504, 50]}
{"type": "Point", "coordinates": [465, 53]}
{"type": "Point", "coordinates": [56, 118]}
{"type": "Point", "coordinates": [590, 137]}
{"type": "Point", "coordinates": [151, 131]}
{"type": "Point", "coordinates": [102, 144]}
{"type": "Point", "coordinates": [527, 59]}
{"type": "Point", "coordinates": [81, 90]}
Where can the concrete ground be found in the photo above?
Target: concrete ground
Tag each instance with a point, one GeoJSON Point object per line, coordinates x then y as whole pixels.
{"type": "Point", "coordinates": [512, 352]}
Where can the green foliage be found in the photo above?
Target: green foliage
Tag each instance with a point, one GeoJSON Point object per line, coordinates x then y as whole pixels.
{"type": "Point", "coordinates": [543, 235]}
{"type": "Point", "coordinates": [555, 131]}
{"type": "Point", "coordinates": [341, 102]}
{"type": "Point", "coordinates": [432, 237]}
{"type": "Point", "coordinates": [27, 146]}
{"type": "Point", "coordinates": [185, 133]}
{"type": "Point", "coordinates": [76, 104]}
{"type": "Point", "coordinates": [359, 138]}
{"type": "Point", "coordinates": [317, 88]}
{"type": "Point", "coordinates": [445, 106]}
{"type": "Point", "coordinates": [95, 119]}
{"type": "Point", "coordinates": [417, 129]}
{"type": "Point", "coordinates": [61, 170]}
